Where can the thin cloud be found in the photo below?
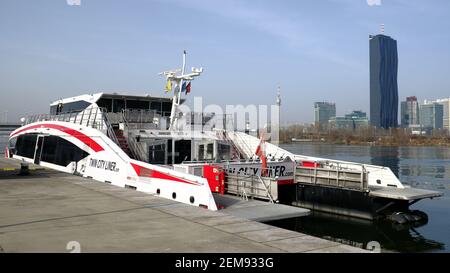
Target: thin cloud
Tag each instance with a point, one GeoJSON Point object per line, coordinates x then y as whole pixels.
{"type": "Point", "coordinates": [289, 31]}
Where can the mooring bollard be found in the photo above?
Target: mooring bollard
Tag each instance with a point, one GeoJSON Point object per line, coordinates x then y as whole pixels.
{"type": "Point", "coordinates": [24, 168]}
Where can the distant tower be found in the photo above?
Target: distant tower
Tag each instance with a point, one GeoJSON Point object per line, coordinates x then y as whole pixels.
{"type": "Point", "coordinates": [275, 129]}
{"type": "Point", "coordinates": [383, 81]}
{"type": "Point", "coordinates": [279, 104]}
{"type": "Point", "coordinates": [279, 96]}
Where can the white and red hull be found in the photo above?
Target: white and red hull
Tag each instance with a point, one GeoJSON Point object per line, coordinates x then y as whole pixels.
{"type": "Point", "coordinates": [106, 162]}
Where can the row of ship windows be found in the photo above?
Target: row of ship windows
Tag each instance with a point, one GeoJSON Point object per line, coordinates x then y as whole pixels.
{"type": "Point", "coordinates": [111, 105]}
{"type": "Point", "coordinates": [51, 149]}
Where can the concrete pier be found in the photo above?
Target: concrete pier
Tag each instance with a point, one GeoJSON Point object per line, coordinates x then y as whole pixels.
{"type": "Point", "coordinates": [45, 210]}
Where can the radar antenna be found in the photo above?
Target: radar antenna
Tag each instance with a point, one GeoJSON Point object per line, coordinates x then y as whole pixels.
{"type": "Point", "coordinates": [177, 78]}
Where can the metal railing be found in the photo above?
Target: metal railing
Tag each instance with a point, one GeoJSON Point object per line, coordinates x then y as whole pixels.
{"type": "Point", "coordinates": [237, 153]}
{"type": "Point", "coordinates": [110, 131]}
{"type": "Point", "coordinates": [333, 177]}
{"type": "Point", "coordinates": [252, 186]}
{"type": "Point", "coordinates": [269, 194]}
{"type": "Point", "coordinates": [136, 149]}
{"type": "Point", "coordinates": [92, 117]}
{"type": "Point", "coordinates": [241, 144]}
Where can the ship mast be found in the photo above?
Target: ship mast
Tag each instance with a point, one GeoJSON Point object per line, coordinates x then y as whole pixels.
{"type": "Point", "coordinates": [172, 76]}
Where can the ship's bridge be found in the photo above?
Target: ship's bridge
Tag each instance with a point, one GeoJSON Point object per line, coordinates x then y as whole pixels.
{"type": "Point", "coordinates": [113, 103]}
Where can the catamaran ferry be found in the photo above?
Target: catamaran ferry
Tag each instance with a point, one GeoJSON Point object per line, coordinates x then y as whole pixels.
{"type": "Point", "coordinates": [141, 142]}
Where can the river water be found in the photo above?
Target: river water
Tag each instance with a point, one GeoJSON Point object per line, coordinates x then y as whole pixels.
{"type": "Point", "coordinates": [421, 167]}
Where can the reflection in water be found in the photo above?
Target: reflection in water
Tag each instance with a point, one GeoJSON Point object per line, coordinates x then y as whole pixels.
{"type": "Point", "coordinates": [386, 156]}
{"type": "Point", "coordinates": [421, 167]}
{"type": "Point", "coordinates": [358, 232]}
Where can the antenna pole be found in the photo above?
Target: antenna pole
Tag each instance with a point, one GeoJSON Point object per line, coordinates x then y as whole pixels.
{"type": "Point", "coordinates": [183, 70]}
{"type": "Point", "coordinates": [171, 75]}
{"type": "Point", "coordinates": [184, 63]}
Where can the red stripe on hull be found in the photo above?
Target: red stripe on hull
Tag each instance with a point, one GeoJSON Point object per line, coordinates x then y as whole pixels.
{"type": "Point", "coordinates": [145, 172]}
{"type": "Point", "coordinates": [80, 136]}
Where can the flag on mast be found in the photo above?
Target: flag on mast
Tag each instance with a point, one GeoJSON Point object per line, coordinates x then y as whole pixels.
{"type": "Point", "coordinates": [261, 153]}
{"type": "Point", "coordinates": [169, 86]}
{"type": "Point", "coordinates": [188, 88]}
{"type": "Point", "coordinates": [183, 87]}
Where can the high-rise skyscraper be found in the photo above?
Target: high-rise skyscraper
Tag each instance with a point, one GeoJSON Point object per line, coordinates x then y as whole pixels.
{"type": "Point", "coordinates": [431, 116]}
{"type": "Point", "coordinates": [383, 81]}
{"type": "Point", "coordinates": [323, 112]}
{"type": "Point", "coordinates": [409, 112]}
{"type": "Point", "coordinates": [446, 105]}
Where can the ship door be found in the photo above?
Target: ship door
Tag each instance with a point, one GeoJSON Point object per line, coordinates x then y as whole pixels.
{"type": "Point", "coordinates": [38, 150]}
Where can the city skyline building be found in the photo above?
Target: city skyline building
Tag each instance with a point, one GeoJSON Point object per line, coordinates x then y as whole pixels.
{"type": "Point", "coordinates": [431, 116]}
{"type": "Point", "coordinates": [354, 120]}
{"type": "Point", "coordinates": [446, 111]}
{"type": "Point", "coordinates": [383, 81]}
{"type": "Point", "coordinates": [409, 112]}
{"type": "Point", "coordinates": [323, 112]}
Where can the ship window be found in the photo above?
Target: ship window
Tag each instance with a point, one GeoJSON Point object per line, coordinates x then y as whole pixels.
{"type": "Point", "coordinates": [118, 105]}
{"type": "Point", "coordinates": [105, 104]}
{"type": "Point", "coordinates": [61, 152]}
{"type": "Point", "coordinates": [157, 154]}
{"type": "Point", "coordinates": [224, 151]}
{"type": "Point", "coordinates": [70, 107]}
{"type": "Point", "coordinates": [137, 104]}
{"type": "Point", "coordinates": [156, 105]}
{"type": "Point", "coordinates": [201, 152]}
{"type": "Point", "coordinates": [25, 145]}
{"type": "Point", "coordinates": [166, 107]}
{"type": "Point", "coordinates": [53, 109]}
{"type": "Point", "coordinates": [182, 151]}
{"type": "Point", "coordinates": [209, 151]}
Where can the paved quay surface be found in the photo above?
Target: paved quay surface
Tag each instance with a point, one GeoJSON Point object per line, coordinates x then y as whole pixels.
{"type": "Point", "coordinates": [45, 210]}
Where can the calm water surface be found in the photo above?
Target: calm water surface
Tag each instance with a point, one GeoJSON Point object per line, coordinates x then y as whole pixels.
{"type": "Point", "coordinates": [421, 167]}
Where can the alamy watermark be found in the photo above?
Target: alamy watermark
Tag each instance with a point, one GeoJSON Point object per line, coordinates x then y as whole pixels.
{"type": "Point", "coordinates": [73, 247]}
{"type": "Point", "coordinates": [73, 2]}
{"type": "Point", "coordinates": [250, 118]}
{"type": "Point", "coordinates": [374, 246]}
{"type": "Point", "coordinates": [374, 2]}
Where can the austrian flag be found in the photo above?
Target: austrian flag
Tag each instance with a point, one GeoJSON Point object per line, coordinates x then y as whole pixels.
{"type": "Point", "coordinates": [261, 153]}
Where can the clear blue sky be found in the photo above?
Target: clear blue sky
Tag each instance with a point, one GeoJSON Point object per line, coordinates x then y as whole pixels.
{"type": "Point", "coordinates": [317, 50]}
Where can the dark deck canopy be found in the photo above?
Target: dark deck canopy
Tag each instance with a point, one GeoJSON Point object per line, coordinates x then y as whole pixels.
{"type": "Point", "coordinates": [117, 102]}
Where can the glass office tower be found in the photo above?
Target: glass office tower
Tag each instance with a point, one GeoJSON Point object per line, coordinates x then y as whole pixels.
{"type": "Point", "coordinates": [383, 82]}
